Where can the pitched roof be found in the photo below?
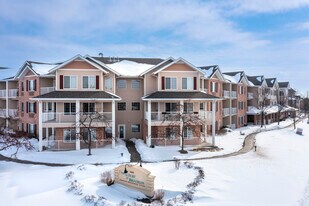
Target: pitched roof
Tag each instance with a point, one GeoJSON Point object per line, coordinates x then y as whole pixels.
{"type": "Point", "coordinates": [256, 80]}
{"type": "Point", "coordinates": [283, 84]}
{"type": "Point", "coordinates": [78, 95]}
{"type": "Point", "coordinates": [179, 95]}
{"type": "Point", "coordinates": [209, 70]}
{"type": "Point", "coordinates": [233, 77]}
{"type": "Point", "coordinates": [270, 81]}
{"type": "Point", "coordinates": [112, 60]}
{"type": "Point", "coordinates": [42, 68]}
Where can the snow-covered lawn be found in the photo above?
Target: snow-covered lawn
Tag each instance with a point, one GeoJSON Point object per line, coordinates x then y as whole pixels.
{"type": "Point", "coordinates": [230, 142]}
{"type": "Point", "coordinates": [101, 155]}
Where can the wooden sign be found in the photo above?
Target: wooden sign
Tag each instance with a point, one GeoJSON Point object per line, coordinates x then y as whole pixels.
{"type": "Point", "coordinates": [299, 131]}
{"type": "Point", "coordinates": [135, 177]}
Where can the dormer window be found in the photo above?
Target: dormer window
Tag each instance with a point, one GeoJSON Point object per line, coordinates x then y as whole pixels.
{"type": "Point", "coordinates": [89, 82]}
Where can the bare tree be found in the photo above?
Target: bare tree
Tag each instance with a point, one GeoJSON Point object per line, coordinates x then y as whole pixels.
{"type": "Point", "coordinates": [281, 102]}
{"type": "Point", "coordinates": [182, 118]}
{"type": "Point", "coordinates": [13, 140]}
{"type": "Point", "coordinates": [88, 123]}
{"type": "Point", "coordinates": [306, 105]}
{"type": "Point", "coordinates": [264, 97]}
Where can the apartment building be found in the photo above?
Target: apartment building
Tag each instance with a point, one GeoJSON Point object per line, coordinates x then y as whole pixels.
{"type": "Point", "coordinates": [135, 98]}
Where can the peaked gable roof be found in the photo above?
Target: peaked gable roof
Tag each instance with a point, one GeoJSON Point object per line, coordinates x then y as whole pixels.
{"type": "Point", "coordinates": [37, 68]}
{"type": "Point", "coordinates": [271, 82]}
{"type": "Point", "coordinates": [284, 84]}
{"type": "Point", "coordinates": [236, 77]}
{"type": "Point", "coordinates": [256, 80]}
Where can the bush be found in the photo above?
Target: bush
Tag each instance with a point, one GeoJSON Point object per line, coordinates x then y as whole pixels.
{"type": "Point", "coordinates": [177, 163]}
{"type": "Point", "coordinates": [69, 175]}
{"type": "Point", "coordinates": [158, 196]}
{"type": "Point", "coordinates": [75, 187]}
{"type": "Point", "coordinates": [189, 164]}
{"type": "Point", "coordinates": [89, 199]}
{"type": "Point", "coordinates": [107, 178]}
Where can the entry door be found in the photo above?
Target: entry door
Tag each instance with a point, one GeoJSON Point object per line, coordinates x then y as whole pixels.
{"type": "Point", "coordinates": [122, 131]}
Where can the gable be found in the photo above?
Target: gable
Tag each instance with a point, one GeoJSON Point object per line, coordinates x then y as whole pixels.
{"type": "Point", "coordinates": [28, 72]}
{"type": "Point", "coordinates": [78, 64]}
{"type": "Point", "coordinates": [215, 76]}
{"type": "Point", "coordinates": [179, 67]}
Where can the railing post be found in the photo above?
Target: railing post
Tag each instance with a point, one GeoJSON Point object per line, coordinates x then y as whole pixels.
{"type": "Point", "coordinates": [40, 127]}
{"type": "Point", "coordinates": [113, 124]}
{"type": "Point", "coordinates": [148, 140]}
{"type": "Point", "coordinates": [77, 122]}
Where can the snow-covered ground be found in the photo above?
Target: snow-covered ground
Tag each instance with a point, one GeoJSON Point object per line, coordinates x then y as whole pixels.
{"type": "Point", "coordinates": [100, 155]}
{"type": "Point", "coordinates": [277, 174]}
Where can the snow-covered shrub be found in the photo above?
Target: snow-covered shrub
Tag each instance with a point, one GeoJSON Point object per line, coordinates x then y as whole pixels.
{"type": "Point", "coordinates": [75, 187]}
{"type": "Point", "coordinates": [187, 196]}
{"type": "Point", "coordinates": [158, 196]}
{"type": "Point", "coordinates": [107, 177]}
{"type": "Point", "coordinates": [177, 163]}
{"type": "Point", "coordinates": [69, 175]}
{"type": "Point", "coordinates": [81, 167]}
{"type": "Point", "coordinates": [89, 198]}
{"type": "Point", "coordinates": [189, 164]}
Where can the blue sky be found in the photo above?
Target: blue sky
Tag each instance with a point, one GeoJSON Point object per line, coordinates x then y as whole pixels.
{"type": "Point", "coordinates": [259, 37]}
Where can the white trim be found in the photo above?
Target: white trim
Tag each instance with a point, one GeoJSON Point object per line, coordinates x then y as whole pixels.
{"type": "Point", "coordinates": [102, 64]}
{"type": "Point", "coordinates": [148, 70]}
{"type": "Point", "coordinates": [72, 99]}
{"type": "Point", "coordinates": [165, 89]}
{"type": "Point", "coordinates": [221, 77]}
{"type": "Point", "coordinates": [153, 99]}
{"type": "Point", "coordinates": [124, 131]}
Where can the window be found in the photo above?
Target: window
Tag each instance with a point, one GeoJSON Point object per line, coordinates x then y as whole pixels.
{"type": "Point", "coordinates": [31, 128]}
{"type": "Point", "coordinates": [31, 107]}
{"type": "Point", "coordinates": [188, 132]}
{"type": "Point", "coordinates": [31, 85]}
{"type": "Point", "coordinates": [241, 89]}
{"type": "Point", "coordinates": [22, 86]}
{"type": "Point", "coordinates": [108, 132]}
{"type": "Point", "coordinates": [121, 83]}
{"type": "Point", "coordinates": [136, 84]}
{"type": "Point", "coordinates": [171, 133]}
{"type": "Point", "coordinates": [201, 106]}
{"type": "Point", "coordinates": [69, 108]}
{"type": "Point", "coordinates": [88, 108]}
{"type": "Point", "coordinates": [69, 135]}
{"type": "Point", "coordinates": [188, 108]}
{"type": "Point", "coordinates": [22, 127]}
{"type": "Point", "coordinates": [86, 134]}
{"type": "Point", "coordinates": [89, 82]}
{"type": "Point", "coordinates": [170, 107]}
{"type": "Point", "coordinates": [171, 83]}
{"type": "Point", "coordinates": [121, 106]}
{"type": "Point", "coordinates": [135, 127]}
{"type": "Point", "coordinates": [214, 87]}
{"type": "Point", "coordinates": [241, 120]}
{"type": "Point", "coordinates": [108, 83]}
{"type": "Point", "coordinates": [187, 83]}
{"type": "Point", "coordinates": [22, 107]}
{"type": "Point", "coordinates": [70, 82]}
{"type": "Point", "coordinates": [135, 106]}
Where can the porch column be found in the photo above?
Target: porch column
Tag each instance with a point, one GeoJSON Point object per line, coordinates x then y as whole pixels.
{"type": "Point", "coordinates": [40, 127]}
{"type": "Point", "coordinates": [181, 122]}
{"type": "Point", "coordinates": [113, 124]}
{"type": "Point", "coordinates": [77, 122]}
{"type": "Point", "coordinates": [7, 105]}
{"type": "Point", "coordinates": [213, 121]}
{"type": "Point", "coordinates": [148, 139]}
{"type": "Point", "coordinates": [206, 119]}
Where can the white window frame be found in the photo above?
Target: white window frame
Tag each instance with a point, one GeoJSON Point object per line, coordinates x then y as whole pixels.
{"type": "Point", "coordinates": [188, 130]}
{"type": "Point", "coordinates": [185, 107]}
{"type": "Point", "coordinates": [118, 83]}
{"type": "Point", "coordinates": [93, 133]}
{"type": "Point", "coordinates": [31, 85]}
{"type": "Point", "coordinates": [172, 134]}
{"type": "Point", "coordinates": [89, 85]}
{"type": "Point", "coordinates": [71, 134]}
{"type": "Point", "coordinates": [171, 83]}
{"type": "Point", "coordinates": [89, 112]}
{"type": "Point", "coordinates": [31, 128]}
{"type": "Point", "coordinates": [213, 86]}
{"type": "Point", "coordinates": [189, 84]}
{"type": "Point", "coordinates": [137, 103]}
{"type": "Point", "coordinates": [136, 84]}
{"type": "Point", "coordinates": [108, 84]}
{"type": "Point", "coordinates": [71, 82]}
{"type": "Point", "coordinates": [31, 107]}
{"type": "Point", "coordinates": [138, 126]}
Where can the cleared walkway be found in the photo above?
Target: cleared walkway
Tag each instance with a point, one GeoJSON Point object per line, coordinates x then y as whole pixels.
{"type": "Point", "coordinates": [135, 156]}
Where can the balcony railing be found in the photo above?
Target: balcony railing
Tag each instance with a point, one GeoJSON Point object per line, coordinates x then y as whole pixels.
{"type": "Point", "coordinates": [226, 111]}
{"type": "Point", "coordinates": [13, 93]}
{"type": "Point", "coordinates": [233, 110]}
{"type": "Point", "coordinates": [226, 94]}
{"type": "Point", "coordinates": [45, 90]}
{"type": "Point", "coordinates": [54, 117]}
{"type": "Point", "coordinates": [2, 93]}
{"type": "Point", "coordinates": [13, 113]}
{"type": "Point", "coordinates": [2, 112]}
{"type": "Point", "coordinates": [233, 94]}
{"type": "Point", "coordinates": [163, 116]}
{"type": "Point", "coordinates": [250, 95]}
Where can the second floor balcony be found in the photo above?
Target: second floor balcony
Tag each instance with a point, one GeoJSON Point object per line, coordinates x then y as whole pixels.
{"type": "Point", "coordinates": [61, 117]}
{"type": "Point", "coordinates": [226, 94]}
{"type": "Point", "coordinates": [162, 117]}
{"type": "Point", "coordinates": [2, 93]}
{"type": "Point", "coordinates": [13, 93]}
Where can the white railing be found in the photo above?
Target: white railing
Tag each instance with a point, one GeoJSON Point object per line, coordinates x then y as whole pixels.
{"type": "Point", "coordinates": [61, 145]}
{"type": "Point", "coordinates": [2, 112]}
{"type": "Point", "coordinates": [13, 113]}
{"type": "Point", "coordinates": [233, 94]}
{"type": "Point", "coordinates": [160, 116]}
{"type": "Point", "coordinates": [13, 92]}
{"type": "Point", "coordinates": [226, 94]}
{"type": "Point", "coordinates": [45, 90]}
{"type": "Point", "coordinates": [54, 117]}
{"type": "Point", "coordinates": [2, 93]}
{"type": "Point", "coordinates": [250, 95]}
{"type": "Point", "coordinates": [226, 111]}
{"type": "Point", "coordinates": [233, 110]}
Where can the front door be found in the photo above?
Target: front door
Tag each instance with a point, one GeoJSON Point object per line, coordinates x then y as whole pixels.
{"type": "Point", "coordinates": [122, 131]}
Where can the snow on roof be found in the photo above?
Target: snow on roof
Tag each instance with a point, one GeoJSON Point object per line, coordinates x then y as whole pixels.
{"type": "Point", "coordinates": [272, 109]}
{"type": "Point", "coordinates": [253, 110]}
{"type": "Point", "coordinates": [229, 78]}
{"type": "Point", "coordinates": [250, 83]}
{"type": "Point", "coordinates": [129, 68]}
{"type": "Point", "coordinates": [42, 68]}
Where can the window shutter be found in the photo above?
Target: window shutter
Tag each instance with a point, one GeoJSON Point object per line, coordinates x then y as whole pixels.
{"type": "Point", "coordinates": [162, 83]}
{"type": "Point", "coordinates": [27, 128]}
{"type": "Point", "coordinates": [34, 128]}
{"type": "Point", "coordinates": [61, 81]}
{"type": "Point", "coordinates": [194, 83]}
{"type": "Point", "coordinates": [97, 82]}
{"type": "Point", "coordinates": [27, 106]}
{"type": "Point", "coordinates": [27, 85]}
{"type": "Point", "coordinates": [34, 107]}
{"type": "Point", "coordinates": [34, 85]}
{"type": "Point", "coordinates": [216, 86]}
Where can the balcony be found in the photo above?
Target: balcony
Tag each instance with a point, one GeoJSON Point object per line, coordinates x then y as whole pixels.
{"type": "Point", "coordinates": [163, 116]}
{"type": "Point", "coordinates": [233, 94]}
{"type": "Point", "coordinates": [2, 93]}
{"type": "Point", "coordinates": [226, 94]}
{"type": "Point", "coordinates": [13, 113]}
{"type": "Point", "coordinates": [54, 117]}
{"type": "Point", "coordinates": [45, 90]}
{"type": "Point", "coordinates": [233, 110]}
{"type": "Point", "coordinates": [250, 95]}
{"type": "Point", "coordinates": [13, 93]}
{"type": "Point", "coordinates": [226, 112]}
{"type": "Point", "coordinates": [2, 112]}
